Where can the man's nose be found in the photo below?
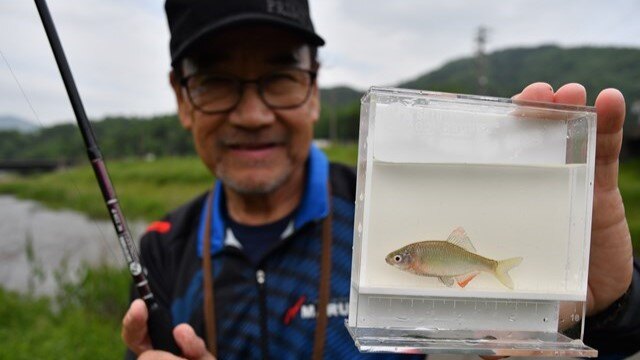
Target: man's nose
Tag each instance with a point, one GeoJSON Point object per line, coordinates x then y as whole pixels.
{"type": "Point", "coordinates": [251, 111]}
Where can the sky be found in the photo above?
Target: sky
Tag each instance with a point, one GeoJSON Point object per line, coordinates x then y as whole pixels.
{"type": "Point", "coordinates": [118, 49]}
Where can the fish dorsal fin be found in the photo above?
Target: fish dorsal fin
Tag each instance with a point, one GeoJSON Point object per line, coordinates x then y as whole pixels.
{"type": "Point", "coordinates": [459, 237]}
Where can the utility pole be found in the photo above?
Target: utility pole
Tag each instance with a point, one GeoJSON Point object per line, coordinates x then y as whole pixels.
{"type": "Point", "coordinates": [481, 61]}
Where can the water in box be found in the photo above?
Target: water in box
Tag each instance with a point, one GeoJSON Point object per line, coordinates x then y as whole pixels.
{"type": "Point", "coordinates": [518, 178]}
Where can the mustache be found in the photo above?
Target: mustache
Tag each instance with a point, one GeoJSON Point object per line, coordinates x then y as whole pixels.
{"type": "Point", "coordinates": [239, 137]}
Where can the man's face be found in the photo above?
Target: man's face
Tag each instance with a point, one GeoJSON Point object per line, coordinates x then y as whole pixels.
{"type": "Point", "coordinates": [253, 149]}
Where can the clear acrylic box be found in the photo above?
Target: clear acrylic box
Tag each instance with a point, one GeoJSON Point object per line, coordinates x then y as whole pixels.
{"type": "Point", "coordinates": [472, 181]}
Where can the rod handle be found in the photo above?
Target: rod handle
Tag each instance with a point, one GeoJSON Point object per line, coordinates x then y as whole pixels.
{"type": "Point", "coordinates": [161, 330]}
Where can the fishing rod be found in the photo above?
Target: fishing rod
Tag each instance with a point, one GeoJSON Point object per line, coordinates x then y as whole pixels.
{"type": "Point", "coordinates": [159, 322]}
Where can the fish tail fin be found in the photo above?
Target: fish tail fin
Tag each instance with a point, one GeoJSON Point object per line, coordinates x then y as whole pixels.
{"type": "Point", "coordinates": [502, 270]}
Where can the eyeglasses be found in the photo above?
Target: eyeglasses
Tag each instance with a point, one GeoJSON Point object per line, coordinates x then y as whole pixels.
{"type": "Point", "coordinates": [283, 89]}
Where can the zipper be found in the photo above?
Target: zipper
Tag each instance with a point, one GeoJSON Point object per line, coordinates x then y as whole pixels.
{"type": "Point", "coordinates": [260, 279]}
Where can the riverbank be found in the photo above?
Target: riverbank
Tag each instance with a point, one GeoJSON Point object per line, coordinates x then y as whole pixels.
{"type": "Point", "coordinates": [80, 321]}
{"type": "Point", "coordinates": [64, 284]}
{"type": "Point", "coordinates": [41, 247]}
{"type": "Point", "coordinates": [147, 190]}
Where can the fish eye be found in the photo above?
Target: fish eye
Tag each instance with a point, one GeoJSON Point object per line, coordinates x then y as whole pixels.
{"type": "Point", "coordinates": [397, 258]}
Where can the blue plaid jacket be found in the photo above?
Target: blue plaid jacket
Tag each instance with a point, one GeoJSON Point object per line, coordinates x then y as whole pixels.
{"type": "Point", "coordinates": [276, 319]}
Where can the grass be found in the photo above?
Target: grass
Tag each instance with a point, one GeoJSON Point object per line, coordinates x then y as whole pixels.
{"type": "Point", "coordinates": [146, 189]}
{"type": "Point", "coordinates": [630, 188]}
{"type": "Point", "coordinates": [82, 321]}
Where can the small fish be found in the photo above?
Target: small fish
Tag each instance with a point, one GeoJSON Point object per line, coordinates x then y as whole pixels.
{"type": "Point", "coordinates": [453, 260]}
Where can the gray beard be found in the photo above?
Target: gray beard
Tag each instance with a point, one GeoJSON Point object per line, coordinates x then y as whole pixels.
{"type": "Point", "coordinates": [251, 189]}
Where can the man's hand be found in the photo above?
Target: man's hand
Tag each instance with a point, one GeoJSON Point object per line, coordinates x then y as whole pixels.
{"type": "Point", "coordinates": [136, 337]}
{"type": "Point", "coordinates": [611, 256]}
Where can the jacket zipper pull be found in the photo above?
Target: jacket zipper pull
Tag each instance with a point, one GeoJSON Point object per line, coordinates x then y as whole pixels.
{"type": "Point", "coordinates": [260, 277]}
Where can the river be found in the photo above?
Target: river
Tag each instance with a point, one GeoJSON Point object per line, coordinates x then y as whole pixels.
{"type": "Point", "coordinates": [61, 241]}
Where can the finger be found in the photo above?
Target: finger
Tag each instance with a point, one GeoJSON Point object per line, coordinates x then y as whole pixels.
{"type": "Point", "coordinates": [571, 94]}
{"type": "Point", "coordinates": [134, 328]}
{"type": "Point", "coordinates": [536, 92]}
{"type": "Point", "coordinates": [158, 355]}
{"type": "Point", "coordinates": [192, 346]}
{"type": "Point", "coordinates": [610, 107]}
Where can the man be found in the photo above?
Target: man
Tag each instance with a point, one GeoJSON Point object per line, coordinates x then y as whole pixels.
{"type": "Point", "coordinates": [244, 78]}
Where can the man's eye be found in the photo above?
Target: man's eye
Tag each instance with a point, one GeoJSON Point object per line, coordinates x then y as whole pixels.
{"type": "Point", "coordinates": [211, 86]}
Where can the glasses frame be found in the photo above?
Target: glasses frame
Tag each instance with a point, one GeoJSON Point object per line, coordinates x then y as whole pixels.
{"type": "Point", "coordinates": [240, 85]}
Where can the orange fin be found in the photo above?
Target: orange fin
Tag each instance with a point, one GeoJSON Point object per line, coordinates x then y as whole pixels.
{"type": "Point", "coordinates": [464, 280]}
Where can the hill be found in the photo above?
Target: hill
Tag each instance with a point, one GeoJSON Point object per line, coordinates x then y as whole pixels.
{"type": "Point", "coordinates": [339, 118]}
{"type": "Point", "coordinates": [10, 122]}
{"type": "Point", "coordinates": [118, 137]}
{"type": "Point", "coordinates": [339, 96]}
{"type": "Point", "coordinates": [508, 71]}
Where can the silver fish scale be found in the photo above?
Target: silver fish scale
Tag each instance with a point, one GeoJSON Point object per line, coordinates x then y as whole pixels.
{"type": "Point", "coordinates": [441, 258]}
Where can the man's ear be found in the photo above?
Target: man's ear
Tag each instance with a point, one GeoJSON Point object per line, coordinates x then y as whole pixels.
{"type": "Point", "coordinates": [184, 106]}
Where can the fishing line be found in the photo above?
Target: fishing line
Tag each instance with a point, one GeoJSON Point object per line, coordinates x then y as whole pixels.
{"type": "Point", "coordinates": [15, 78]}
{"type": "Point", "coordinates": [159, 325]}
{"type": "Point", "coordinates": [41, 125]}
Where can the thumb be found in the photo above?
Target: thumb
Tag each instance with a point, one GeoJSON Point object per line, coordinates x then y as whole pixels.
{"type": "Point", "coordinates": [192, 346]}
{"type": "Point", "coordinates": [134, 327]}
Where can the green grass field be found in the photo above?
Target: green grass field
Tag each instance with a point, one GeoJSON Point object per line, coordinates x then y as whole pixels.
{"type": "Point", "coordinates": [630, 188]}
{"type": "Point", "coordinates": [82, 321]}
{"type": "Point", "coordinates": [146, 189]}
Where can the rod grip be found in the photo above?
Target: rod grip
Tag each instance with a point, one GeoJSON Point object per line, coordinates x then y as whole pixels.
{"type": "Point", "coordinates": [161, 330]}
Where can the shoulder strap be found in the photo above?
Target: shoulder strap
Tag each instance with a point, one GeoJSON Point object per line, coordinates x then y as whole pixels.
{"type": "Point", "coordinates": [323, 290]}
{"type": "Point", "coordinates": [209, 298]}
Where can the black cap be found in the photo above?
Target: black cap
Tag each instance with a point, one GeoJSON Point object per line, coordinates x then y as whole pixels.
{"type": "Point", "coordinates": [191, 20]}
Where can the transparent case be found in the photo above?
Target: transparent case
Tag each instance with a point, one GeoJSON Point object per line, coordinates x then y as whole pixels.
{"type": "Point", "coordinates": [472, 227]}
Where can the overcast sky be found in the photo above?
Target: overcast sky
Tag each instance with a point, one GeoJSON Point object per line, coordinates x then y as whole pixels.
{"type": "Point", "coordinates": [118, 49]}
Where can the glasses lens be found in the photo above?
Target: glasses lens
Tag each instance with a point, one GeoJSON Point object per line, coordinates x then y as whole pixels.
{"type": "Point", "coordinates": [212, 93]}
{"type": "Point", "coordinates": [286, 88]}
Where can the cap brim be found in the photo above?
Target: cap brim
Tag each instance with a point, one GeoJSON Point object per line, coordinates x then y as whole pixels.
{"type": "Point", "coordinates": [309, 36]}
